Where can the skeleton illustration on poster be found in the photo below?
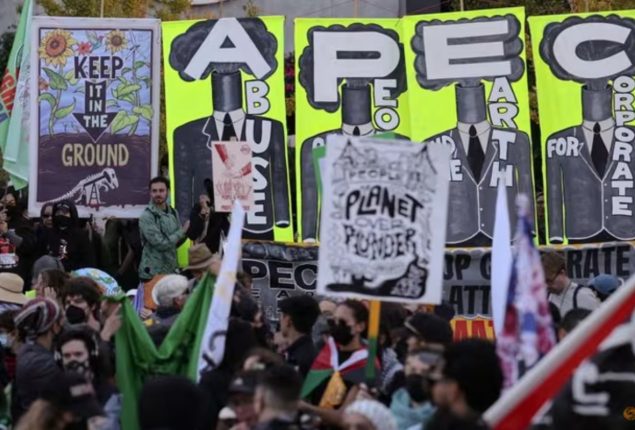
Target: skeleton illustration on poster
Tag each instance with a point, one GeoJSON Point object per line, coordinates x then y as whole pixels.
{"type": "Point", "coordinates": [236, 59]}
{"type": "Point", "coordinates": [589, 64]}
{"type": "Point", "coordinates": [480, 58]}
{"type": "Point", "coordinates": [382, 224]}
{"type": "Point", "coordinates": [96, 104]}
{"type": "Point", "coordinates": [356, 69]}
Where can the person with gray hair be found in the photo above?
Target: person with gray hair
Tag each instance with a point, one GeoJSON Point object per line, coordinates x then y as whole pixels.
{"type": "Point", "coordinates": [170, 294]}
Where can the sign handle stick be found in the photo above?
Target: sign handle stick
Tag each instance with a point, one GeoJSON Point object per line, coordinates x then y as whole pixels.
{"type": "Point", "coordinates": [101, 9]}
{"type": "Point", "coordinates": [462, 5]}
{"type": "Point", "coordinates": [373, 338]}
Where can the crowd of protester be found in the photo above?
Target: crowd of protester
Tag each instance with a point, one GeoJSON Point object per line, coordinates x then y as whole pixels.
{"type": "Point", "coordinates": [57, 332]}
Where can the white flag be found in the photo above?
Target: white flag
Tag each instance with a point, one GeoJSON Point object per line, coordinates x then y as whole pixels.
{"type": "Point", "coordinates": [501, 259]}
{"type": "Point", "coordinates": [213, 341]}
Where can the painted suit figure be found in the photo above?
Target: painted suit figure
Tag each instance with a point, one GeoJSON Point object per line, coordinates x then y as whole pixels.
{"type": "Point", "coordinates": [586, 168]}
{"type": "Point", "coordinates": [483, 155]}
{"type": "Point", "coordinates": [356, 121]}
{"type": "Point", "coordinates": [193, 157]}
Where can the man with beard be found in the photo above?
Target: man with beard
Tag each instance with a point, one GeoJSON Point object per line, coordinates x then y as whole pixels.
{"type": "Point", "coordinates": [161, 233]}
{"type": "Point", "coordinates": [67, 241]}
{"type": "Point", "coordinates": [78, 351]}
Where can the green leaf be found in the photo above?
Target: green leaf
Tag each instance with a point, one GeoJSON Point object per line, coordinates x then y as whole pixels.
{"type": "Point", "coordinates": [70, 77]}
{"type": "Point", "coordinates": [147, 81]}
{"type": "Point", "coordinates": [65, 111]}
{"type": "Point", "coordinates": [56, 81]}
{"type": "Point", "coordinates": [122, 120]}
{"type": "Point", "coordinates": [123, 80]}
{"type": "Point", "coordinates": [80, 89]}
{"type": "Point", "coordinates": [48, 97]}
{"type": "Point", "coordinates": [144, 110]}
{"type": "Point", "coordinates": [123, 90]}
{"type": "Point", "coordinates": [125, 70]}
{"type": "Point", "coordinates": [111, 103]}
{"type": "Point", "coordinates": [139, 64]}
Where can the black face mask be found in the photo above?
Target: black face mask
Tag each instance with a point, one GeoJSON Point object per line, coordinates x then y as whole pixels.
{"type": "Point", "coordinates": [75, 315]}
{"type": "Point", "coordinates": [12, 212]}
{"type": "Point", "coordinates": [81, 367]}
{"type": "Point", "coordinates": [62, 222]}
{"type": "Point", "coordinates": [416, 385]}
{"type": "Point", "coordinates": [342, 333]}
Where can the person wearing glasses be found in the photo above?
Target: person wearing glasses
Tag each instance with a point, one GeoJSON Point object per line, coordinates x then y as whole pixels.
{"type": "Point", "coordinates": [563, 292]}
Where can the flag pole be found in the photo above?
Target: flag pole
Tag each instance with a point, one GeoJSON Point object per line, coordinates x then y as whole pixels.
{"type": "Point", "coordinates": [517, 407]}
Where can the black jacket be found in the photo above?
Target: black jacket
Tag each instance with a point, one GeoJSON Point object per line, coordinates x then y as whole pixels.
{"type": "Point", "coordinates": [71, 245]}
{"type": "Point", "coordinates": [218, 222]}
{"type": "Point", "coordinates": [301, 354]}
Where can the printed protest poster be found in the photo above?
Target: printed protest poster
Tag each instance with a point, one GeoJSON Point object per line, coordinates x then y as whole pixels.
{"type": "Point", "coordinates": [232, 178]}
{"type": "Point", "coordinates": [95, 113]}
{"type": "Point", "coordinates": [467, 88]}
{"type": "Point", "coordinates": [350, 80]}
{"type": "Point", "coordinates": [224, 80]}
{"type": "Point", "coordinates": [585, 66]}
{"type": "Point", "coordinates": [383, 213]}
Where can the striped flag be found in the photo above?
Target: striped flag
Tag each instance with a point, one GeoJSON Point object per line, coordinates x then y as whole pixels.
{"type": "Point", "coordinates": [527, 333]}
{"type": "Point", "coordinates": [517, 407]}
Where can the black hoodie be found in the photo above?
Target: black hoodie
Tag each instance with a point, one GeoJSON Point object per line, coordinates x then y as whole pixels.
{"type": "Point", "coordinates": [70, 244]}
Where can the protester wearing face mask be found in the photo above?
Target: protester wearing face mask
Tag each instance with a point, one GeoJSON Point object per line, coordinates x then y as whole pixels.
{"type": "Point", "coordinates": [38, 323]}
{"type": "Point", "coordinates": [66, 240]}
{"type": "Point", "coordinates": [81, 299]}
{"type": "Point", "coordinates": [411, 405]}
{"type": "Point", "coordinates": [78, 351]}
{"type": "Point", "coordinates": [346, 349]}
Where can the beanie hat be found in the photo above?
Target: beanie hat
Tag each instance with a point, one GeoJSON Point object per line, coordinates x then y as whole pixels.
{"type": "Point", "coordinates": [379, 415]}
{"type": "Point", "coordinates": [37, 316]}
{"type": "Point", "coordinates": [605, 284]}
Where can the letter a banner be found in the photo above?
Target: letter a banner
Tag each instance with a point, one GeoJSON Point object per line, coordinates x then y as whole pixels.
{"type": "Point", "coordinates": [383, 229]}
{"type": "Point", "coordinates": [585, 71]}
{"type": "Point", "coordinates": [94, 90]}
{"type": "Point", "coordinates": [224, 82]}
{"type": "Point", "coordinates": [350, 80]}
{"type": "Point", "coordinates": [467, 88]}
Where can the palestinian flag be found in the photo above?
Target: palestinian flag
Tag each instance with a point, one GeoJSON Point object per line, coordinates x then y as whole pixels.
{"type": "Point", "coordinates": [326, 367]}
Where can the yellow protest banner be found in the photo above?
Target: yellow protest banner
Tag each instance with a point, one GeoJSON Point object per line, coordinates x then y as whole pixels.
{"type": "Point", "coordinates": [224, 81]}
{"type": "Point", "coordinates": [350, 80]}
{"type": "Point", "coordinates": [467, 87]}
{"type": "Point", "coordinates": [585, 85]}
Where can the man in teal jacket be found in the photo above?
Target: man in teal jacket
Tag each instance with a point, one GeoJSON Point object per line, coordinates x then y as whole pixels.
{"type": "Point", "coordinates": [161, 233]}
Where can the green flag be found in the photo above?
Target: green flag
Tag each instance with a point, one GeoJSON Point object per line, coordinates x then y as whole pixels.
{"type": "Point", "coordinates": [14, 103]}
{"type": "Point", "coordinates": [137, 358]}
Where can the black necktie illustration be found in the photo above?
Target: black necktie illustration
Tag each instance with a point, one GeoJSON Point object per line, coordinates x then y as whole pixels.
{"type": "Point", "coordinates": [475, 154]}
{"type": "Point", "coordinates": [599, 154]}
{"type": "Point", "coordinates": [356, 131]}
{"type": "Point", "coordinates": [228, 128]}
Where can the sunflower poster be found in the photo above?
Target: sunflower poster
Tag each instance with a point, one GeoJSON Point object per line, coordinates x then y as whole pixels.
{"type": "Point", "coordinates": [95, 113]}
{"type": "Point", "coordinates": [224, 81]}
{"type": "Point", "coordinates": [350, 81]}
